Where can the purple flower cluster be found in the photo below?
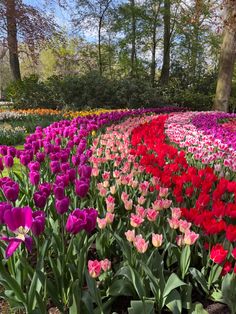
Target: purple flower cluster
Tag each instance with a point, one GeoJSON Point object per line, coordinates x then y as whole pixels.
{"type": "Point", "coordinates": [58, 154]}
{"type": "Point", "coordinates": [81, 220]}
{"type": "Point", "coordinates": [209, 123]}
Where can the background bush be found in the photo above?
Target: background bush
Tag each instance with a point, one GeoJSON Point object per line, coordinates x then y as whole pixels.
{"type": "Point", "coordinates": [92, 90]}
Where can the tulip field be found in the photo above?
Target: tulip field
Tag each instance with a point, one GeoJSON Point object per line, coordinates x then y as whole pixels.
{"type": "Point", "coordinates": [126, 211]}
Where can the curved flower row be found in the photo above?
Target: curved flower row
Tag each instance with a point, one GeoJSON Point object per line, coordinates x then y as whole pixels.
{"type": "Point", "coordinates": [204, 145]}
{"type": "Point", "coordinates": [205, 200]}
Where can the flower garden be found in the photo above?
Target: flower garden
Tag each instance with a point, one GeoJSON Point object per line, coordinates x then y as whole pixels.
{"type": "Point", "coordinates": [129, 211]}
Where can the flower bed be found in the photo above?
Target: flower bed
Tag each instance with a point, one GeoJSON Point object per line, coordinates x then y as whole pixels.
{"type": "Point", "coordinates": [106, 208]}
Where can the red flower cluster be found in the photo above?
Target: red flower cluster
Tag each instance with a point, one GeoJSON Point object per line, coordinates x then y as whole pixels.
{"type": "Point", "coordinates": [207, 201]}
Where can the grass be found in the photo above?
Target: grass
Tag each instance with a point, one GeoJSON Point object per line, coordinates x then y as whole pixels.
{"type": "Point", "coordinates": [16, 167]}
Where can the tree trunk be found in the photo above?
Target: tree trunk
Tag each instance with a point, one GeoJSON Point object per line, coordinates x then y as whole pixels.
{"type": "Point", "coordinates": [165, 71]}
{"type": "Point", "coordinates": [227, 61]}
{"type": "Point", "coordinates": [99, 46]}
{"type": "Point", "coordinates": [12, 39]}
{"type": "Point", "coordinates": [133, 43]}
{"type": "Point", "coordinates": [154, 43]}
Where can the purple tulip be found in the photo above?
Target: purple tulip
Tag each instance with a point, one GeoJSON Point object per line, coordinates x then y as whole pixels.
{"type": "Point", "coordinates": [65, 166]}
{"type": "Point", "coordinates": [1, 165]}
{"type": "Point", "coordinates": [75, 160]}
{"type": "Point", "coordinates": [3, 208]}
{"type": "Point", "coordinates": [40, 199]}
{"type": "Point", "coordinates": [25, 159]}
{"type": "Point", "coordinates": [45, 188]}
{"type": "Point", "coordinates": [62, 205]}
{"type": "Point", "coordinates": [40, 157]}
{"type": "Point", "coordinates": [62, 179]}
{"type": "Point", "coordinates": [14, 243]}
{"type": "Point", "coordinates": [59, 191]}
{"type": "Point", "coordinates": [34, 177]}
{"type": "Point", "coordinates": [85, 172]}
{"type": "Point", "coordinates": [92, 215]}
{"type": "Point", "coordinates": [18, 219]}
{"type": "Point", "coordinates": [76, 221]}
{"type": "Point", "coordinates": [8, 161]}
{"type": "Point", "coordinates": [72, 174]}
{"type": "Point", "coordinates": [55, 166]}
{"type": "Point", "coordinates": [11, 191]}
{"type": "Point", "coordinates": [38, 224]}
{"type": "Point", "coordinates": [34, 166]}
{"type": "Point", "coordinates": [11, 151]}
{"type": "Point", "coordinates": [3, 150]}
{"type": "Point", "coordinates": [81, 188]}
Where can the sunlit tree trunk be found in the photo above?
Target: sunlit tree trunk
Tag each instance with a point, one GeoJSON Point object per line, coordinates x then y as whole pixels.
{"type": "Point", "coordinates": [156, 9]}
{"type": "Point", "coordinates": [165, 71]}
{"type": "Point", "coordinates": [133, 41]}
{"type": "Point", "coordinates": [12, 39]}
{"type": "Point", "coordinates": [227, 60]}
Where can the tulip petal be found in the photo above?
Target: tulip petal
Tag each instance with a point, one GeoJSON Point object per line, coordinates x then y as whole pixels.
{"type": "Point", "coordinates": [12, 246]}
{"type": "Point", "coordinates": [28, 243]}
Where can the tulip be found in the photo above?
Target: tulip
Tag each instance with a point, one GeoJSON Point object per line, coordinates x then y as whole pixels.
{"type": "Point", "coordinates": [59, 191]}
{"type": "Point", "coordinates": [38, 223]}
{"type": "Point", "coordinates": [105, 264]}
{"type": "Point", "coordinates": [3, 208]}
{"type": "Point", "coordinates": [157, 239]}
{"type": "Point", "coordinates": [62, 205]}
{"type": "Point", "coordinates": [18, 220]}
{"type": "Point", "coordinates": [94, 268]}
{"type": "Point", "coordinates": [140, 244]}
{"type": "Point", "coordinates": [91, 219]}
{"type": "Point", "coordinates": [8, 161]}
{"type": "Point", "coordinates": [11, 191]}
{"type": "Point", "coordinates": [40, 199]}
{"type": "Point", "coordinates": [76, 221]}
{"type": "Point", "coordinates": [34, 177]}
{"type": "Point", "coordinates": [81, 188]}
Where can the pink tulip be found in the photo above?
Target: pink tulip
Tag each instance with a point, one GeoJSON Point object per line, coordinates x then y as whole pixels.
{"type": "Point", "coordinates": [136, 220]}
{"type": "Point", "coordinates": [94, 268]}
{"type": "Point", "coordinates": [157, 239]}
{"type": "Point", "coordinates": [140, 244]}
{"type": "Point", "coordinates": [130, 235]}
{"type": "Point", "coordinates": [152, 214]}
{"type": "Point", "coordinates": [105, 264]}
{"type": "Point", "coordinates": [190, 237]}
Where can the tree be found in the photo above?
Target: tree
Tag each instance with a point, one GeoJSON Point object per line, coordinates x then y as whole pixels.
{"type": "Point", "coordinates": [227, 58]}
{"type": "Point", "coordinates": [165, 71]}
{"type": "Point", "coordinates": [88, 12]}
{"type": "Point", "coordinates": [20, 22]}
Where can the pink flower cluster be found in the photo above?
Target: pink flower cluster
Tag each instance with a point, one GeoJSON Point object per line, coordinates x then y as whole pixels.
{"type": "Point", "coordinates": [204, 147]}
{"type": "Point", "coordinates": [95, 267]}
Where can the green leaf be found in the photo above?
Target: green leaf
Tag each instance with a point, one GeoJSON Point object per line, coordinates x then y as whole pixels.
{"type": "Point", "coordinates": [197, 308]}
{"type": "Point", "coordinates": [12, 283]}
{"type": "Point", "coordinates": [51, 290]}
{"type": "Point", "coordinates": [41, 305]}
{"type": "Point", "coordinates": [185, 259]}
{"type": "Point", "coordinates": [199, 277]}
{"type": "Point", "coordinates": [137, 283]}
{"type": "Point", "coordinates": [144, 307]}
{"type": "Point", "coordinates": [173, 282]}
{"type": "Point", "coordinates": [214, 274]}
{"type": "Point", "coordinates": [186, 296]}
{"type": "Point", "coordinates": [229, 291]}
{"type": "Point", "coordinates": [95, 293]}
{"type": "Point", "coordinates": [121, 287]}
{"type": "Point", "coordinates": [173, 302]}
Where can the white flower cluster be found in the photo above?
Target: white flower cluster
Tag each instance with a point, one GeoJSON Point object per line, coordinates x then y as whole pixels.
{"type": "Point", "coordinates": [10, 115]}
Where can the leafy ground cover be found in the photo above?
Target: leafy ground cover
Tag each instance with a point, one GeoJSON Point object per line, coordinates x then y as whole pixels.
{"type": "Point", "coordinates": [135, 205]}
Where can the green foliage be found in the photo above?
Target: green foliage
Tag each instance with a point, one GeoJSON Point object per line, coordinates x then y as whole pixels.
{"type": "Point", "coordinates": [93, 90]}
{"type": "Point", "coordinates": [30, 93]}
